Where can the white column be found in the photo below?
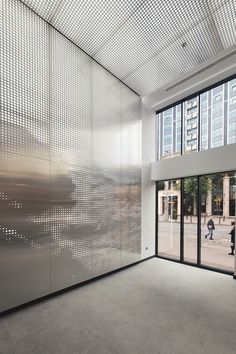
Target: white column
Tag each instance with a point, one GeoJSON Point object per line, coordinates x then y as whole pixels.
{"type": "Point", "coordinates": [179, 203]}
{"type": "Point", "coordinates": [209, 204]}
{"type": "Point", "coordinates": [148, 187]}
{"type": "Point", "coordinates": [226, 195]}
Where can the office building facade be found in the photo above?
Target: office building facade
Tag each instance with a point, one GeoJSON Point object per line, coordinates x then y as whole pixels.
{"type": "Point", "coordinates": [208, 121]}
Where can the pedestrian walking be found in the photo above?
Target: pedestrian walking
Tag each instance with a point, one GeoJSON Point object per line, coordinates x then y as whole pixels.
{"type": "Point", "coordinates": [210, 227]}
{"type": "Point", "coordinates": [232, 233]}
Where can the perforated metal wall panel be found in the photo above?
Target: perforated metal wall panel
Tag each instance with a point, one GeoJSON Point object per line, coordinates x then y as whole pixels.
{"type": "Point", "coordinates": [130, 193]}
{"type": "Point", "coordinates": [69, 162]}
{"type": "Point", "coordinates": [24, 156]}
{"type": "Point", "coordinates": [105, 170]}
{"type": "Point", "coordinates": [70, 139]}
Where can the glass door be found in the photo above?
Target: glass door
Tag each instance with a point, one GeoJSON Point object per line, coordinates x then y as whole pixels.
{"type": "Point", "coordinates": [169, 209]}
{"type": "Point", "coordinates": [196, 220]}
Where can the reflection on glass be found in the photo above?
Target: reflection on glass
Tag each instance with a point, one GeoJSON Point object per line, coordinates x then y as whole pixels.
{"type": "Point", "coordinates": [217, 218]}
{"type": "Point", "coordinates": [231, 131]}
{"type": "Point", "coordinates": [217, 110]}
{"type": "Point", "coordinates": [169, 219]}
{"type": "Point", "coordinates": [167, 126]}
{"type": "Point", "coordinates": [217, 116]}
{"type": "Point", "coordinates": [190, 218]}
{"type": "Point", "coordinates": [177, 129]}
{"type": "Point", "coordinates": [204, 111]}
{"type": "Point", "coordinates": [191, 124]}
{"type": "Point", "coordinates": [169, 132]}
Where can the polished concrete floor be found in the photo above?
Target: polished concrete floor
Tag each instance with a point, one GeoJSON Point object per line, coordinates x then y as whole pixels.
{"type": "Point", "coordinates": [154, 307]}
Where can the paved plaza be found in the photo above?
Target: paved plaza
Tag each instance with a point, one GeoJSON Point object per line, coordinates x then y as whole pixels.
{"type": "Point", "coordinates": [214, 252]}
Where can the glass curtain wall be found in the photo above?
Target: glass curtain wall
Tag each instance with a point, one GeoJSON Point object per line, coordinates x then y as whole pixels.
{"type": "Point", "coordinates": [169, 136]}
{"type": "Point", "coordinates": [190, 193]}
{"type": "Point", "coordinates": [217, 116]}
{"type": "Point", "coordinates": [231, 112]}
{"type": "Point", "coordinates": [218, 220]}
{"type": "Point", "coordinates": [191, 125]}
{"type": "Point", "coordinates": [204, 233]}
{"type": "Point", "coordinates": [169, 205]}
{"type": "Point", "coordinates": [206, 121]}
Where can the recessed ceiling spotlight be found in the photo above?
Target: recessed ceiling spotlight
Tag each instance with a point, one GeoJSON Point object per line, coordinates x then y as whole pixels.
{"type": "Point", "coordinates": [184, 44]}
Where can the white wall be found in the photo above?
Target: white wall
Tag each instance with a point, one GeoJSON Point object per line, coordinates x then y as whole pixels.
{"type": "Point", "coordinates": [196, 163]}
{"type": "Point", "coordinates": [148, 186]}
{"type": "Point", "coordinates": [210, 72]}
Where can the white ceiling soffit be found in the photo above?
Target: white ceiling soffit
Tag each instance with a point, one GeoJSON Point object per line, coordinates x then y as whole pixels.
{"type": "Point", "coordinates": [141, 42]}
{"type": "Point", "coordinates": [204, 75]}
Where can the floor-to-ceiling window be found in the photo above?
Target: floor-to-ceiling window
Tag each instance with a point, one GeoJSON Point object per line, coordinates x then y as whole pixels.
{"type": "Point", "coordinates": [196, 218]}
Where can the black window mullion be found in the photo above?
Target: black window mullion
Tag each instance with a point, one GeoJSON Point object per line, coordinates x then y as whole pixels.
{"type": "Point", "coordinates": [161, 135]}
{"type": "Point", "coordinates": [199, 197]}
{"type": "Point", "coordinates": [174, 131]}
{"type": "Point", "coordinates": [226, 103]}
{"type": "Point", "coordinates": [157, 219]}
{"type": "Point", "coordinates": [199, 125]}
{"type": "Point", "coordinates": [182, 220]}
{"type": "Point", "coordinates": [181, 127]}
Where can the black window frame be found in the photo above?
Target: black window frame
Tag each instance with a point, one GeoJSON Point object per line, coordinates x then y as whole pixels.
{"type": "Point", "coordinates": [181, 259]}
{"type": "Point", "coordinates": [181, 102]}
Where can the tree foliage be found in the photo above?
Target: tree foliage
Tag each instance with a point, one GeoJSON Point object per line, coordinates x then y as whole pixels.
{"type": "Point", "coordinates": [191, 185]}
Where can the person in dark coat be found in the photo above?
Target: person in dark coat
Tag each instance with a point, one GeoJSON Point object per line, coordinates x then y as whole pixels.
{"type": "Point", "coordinates": [232, 233]}
{"type": "Point", "coordinates": [210, 227]}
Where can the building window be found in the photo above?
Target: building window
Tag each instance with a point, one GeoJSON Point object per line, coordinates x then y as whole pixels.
{"type": "Point", "coordinates": [217, 116]}
{"type": "Point", "coordinates": [232, 194]}
{"type": "Point", "coordinates": [191, 125]}
{"type": "Point", "coordinates": [204, 121]}
{"type": "Point", "coordinates": [180, 126]}
{"type": "Point", "coordinates": [169, 132]}
{"type": "Point", "coordinates": [231, 121]}
{"type": "Point", "coordinates": [217, 195]}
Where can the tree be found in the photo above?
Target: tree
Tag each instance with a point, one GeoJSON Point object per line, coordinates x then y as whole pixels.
{"type": "Point", "coordinates": [206, 184]}
{"type": "Point", "coordinates": [160, 185]}
{"type": "Point", "coordinates": [191, 185]}
{"type": "Point", "coordinates": [191, 192]}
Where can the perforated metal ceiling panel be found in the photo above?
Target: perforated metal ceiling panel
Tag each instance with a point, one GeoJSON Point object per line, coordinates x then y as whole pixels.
{"type": "Point", "coordinates": [141, 41]}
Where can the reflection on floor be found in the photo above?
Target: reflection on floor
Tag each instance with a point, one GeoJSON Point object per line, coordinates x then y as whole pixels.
{"type": "Point", "coordinates": [155, 307]}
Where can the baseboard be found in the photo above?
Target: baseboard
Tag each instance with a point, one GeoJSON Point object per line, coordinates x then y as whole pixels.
{"type": "Point", "coordinates": [64, 290]}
